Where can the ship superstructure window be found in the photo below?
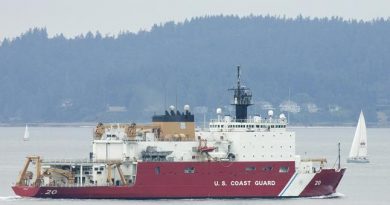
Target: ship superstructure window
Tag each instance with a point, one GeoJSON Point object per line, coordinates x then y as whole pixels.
{"type": "Point", "coordinates": [189, 170]}
{"type": "Point", "coordinates": [157, 170]}
{"type": "Point", "coordinates": [252, 168]}
{"type": "Point", "coordinates": [283, 169]}
{"type": "Point", "coordinates": [267, 168]}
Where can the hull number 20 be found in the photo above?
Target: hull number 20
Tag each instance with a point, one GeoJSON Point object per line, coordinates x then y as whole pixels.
{"type": "Point", "coordinates": [317, 183]}
{"type": "Point", "coordinates": [51, 192]}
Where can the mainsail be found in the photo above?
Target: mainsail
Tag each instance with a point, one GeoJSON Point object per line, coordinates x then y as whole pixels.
{"type": "Point", "coordinates": [359, 144]}
{"type": "Point", "coordinates": [26, 134]}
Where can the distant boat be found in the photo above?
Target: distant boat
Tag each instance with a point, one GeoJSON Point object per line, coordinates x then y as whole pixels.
{"type": "Point", "coordinates": [26, 134]}
{"type": "Point", "coordinates": [358, 153]}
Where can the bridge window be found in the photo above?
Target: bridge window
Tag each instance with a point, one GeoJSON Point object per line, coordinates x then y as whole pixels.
{"type": "Point", "coordinates": [267, 168]}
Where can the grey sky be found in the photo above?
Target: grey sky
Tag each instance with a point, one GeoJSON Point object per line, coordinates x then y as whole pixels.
{"type": "Point", "coordinates": [73, 17]}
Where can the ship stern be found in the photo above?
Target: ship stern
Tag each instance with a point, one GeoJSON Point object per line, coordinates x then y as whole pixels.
{"type": "Point", "coordinates": [26, 191]}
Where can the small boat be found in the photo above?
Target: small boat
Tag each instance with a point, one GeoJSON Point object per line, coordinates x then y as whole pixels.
{"type": "Point", "coordinates": [358, 153]}
{"type": "Point", "coordinates": [26, 136]}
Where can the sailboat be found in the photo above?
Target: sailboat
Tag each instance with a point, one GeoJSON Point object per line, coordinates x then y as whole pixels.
{"type": "Point", "coordinates": [26, 134]}
{"type": "Point", "coordinates": [358, 153]}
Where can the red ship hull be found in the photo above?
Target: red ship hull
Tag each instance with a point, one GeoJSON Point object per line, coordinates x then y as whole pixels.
{"type": "Point", "coordinates": [209, 180]}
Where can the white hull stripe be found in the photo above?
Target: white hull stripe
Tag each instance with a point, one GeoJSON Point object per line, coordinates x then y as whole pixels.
{"type": "Point", "coordinates": [297, 184]}
{"type": "Point", "coordinates": [288, 184]}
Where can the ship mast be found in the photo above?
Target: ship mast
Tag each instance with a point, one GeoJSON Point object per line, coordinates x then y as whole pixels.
{"type": "Point", "coordinates": [242, 98]}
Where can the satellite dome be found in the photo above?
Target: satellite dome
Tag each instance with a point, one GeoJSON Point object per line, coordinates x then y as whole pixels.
{"type": "Point", "coordinates": [172, 107]}
{"type": "Point", "coordinates": [282, 116]}
{"type": "Point", "coordinates": [186, 107]}
{"type": "Point", "coordinates": [270, 113]}
{"type": "Point", "coordinates": [219, 111]}
{"type": "Point", "coordinates": [257, 118]}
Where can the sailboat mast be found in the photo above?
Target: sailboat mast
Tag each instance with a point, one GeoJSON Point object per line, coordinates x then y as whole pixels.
{"type": "Point", "coordinates": [339, 155]}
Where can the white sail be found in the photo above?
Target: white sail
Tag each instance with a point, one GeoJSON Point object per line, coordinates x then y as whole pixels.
{"type": "Point", "coordinates": [359, 144]}
{"type": "Point", "coordinates": [26, 134]}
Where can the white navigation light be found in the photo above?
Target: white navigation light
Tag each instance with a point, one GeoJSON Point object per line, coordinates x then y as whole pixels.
{"type": "Point", "coordinates": [172, 107]}
{"type": "Point", "coordinates": [219, 111]}
{"type": "Point", "coordinates": [270, 113]}
{"type": "Point", "coordinates": [186, 107]}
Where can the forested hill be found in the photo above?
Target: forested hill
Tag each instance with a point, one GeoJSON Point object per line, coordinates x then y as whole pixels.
{"type": "Point", "coordinates": [333, 68]}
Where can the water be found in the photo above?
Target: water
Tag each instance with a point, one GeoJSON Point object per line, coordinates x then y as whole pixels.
{"type": "Point", "coordinates": [362, 183]}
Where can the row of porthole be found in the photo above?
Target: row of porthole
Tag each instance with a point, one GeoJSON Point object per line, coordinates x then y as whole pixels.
{"type": "Point", "coordinates": [248, 126]}
{"type": "Point", "coordinates": [274, 135]}
{"type": "Point", "coordinates": [191, 170]}
{"type": "Point", "coordinates": [263, 156]}
{"type": "Point", "coordinates": [281, 147]}
{"type": "Point", "coordinates": [282, 169]}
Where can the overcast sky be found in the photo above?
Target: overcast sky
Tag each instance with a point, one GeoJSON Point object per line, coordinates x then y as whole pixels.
{"type": "Point", "coordinates": [73, 17]}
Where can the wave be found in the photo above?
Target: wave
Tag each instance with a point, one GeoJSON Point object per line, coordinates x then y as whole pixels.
{"type": "Point", "coordinates": [9, 198]}
{"type": "Point", "coordinates": [330, 196]}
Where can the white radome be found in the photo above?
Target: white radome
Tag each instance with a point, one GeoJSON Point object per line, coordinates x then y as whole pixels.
{"type": "Point", "coordinates": [270, 113]}
{"type": "Point", "coordinates": [219, 111]}
{"type": "Point", "coordinates": [186, 107]}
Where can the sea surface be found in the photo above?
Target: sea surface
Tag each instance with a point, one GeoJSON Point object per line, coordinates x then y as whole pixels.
{"type": "Point", "coordinates": [362, 183]}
